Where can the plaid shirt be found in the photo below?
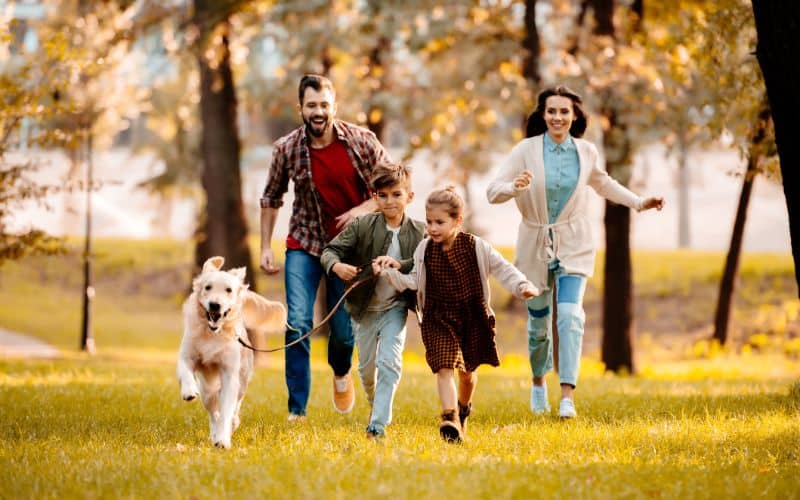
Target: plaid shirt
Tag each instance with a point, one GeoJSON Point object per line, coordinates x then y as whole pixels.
{"type": "Point", "coordinates": [291, 160]}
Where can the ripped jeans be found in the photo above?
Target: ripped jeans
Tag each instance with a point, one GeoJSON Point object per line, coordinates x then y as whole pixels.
{"type": "Point", "coordinates": [570, 321]}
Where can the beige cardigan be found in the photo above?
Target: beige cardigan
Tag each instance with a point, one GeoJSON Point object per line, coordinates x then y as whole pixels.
{"type": "Point", "coordinates": [572, 242]}
{"type": "Point", "coordinates": [489, 262]}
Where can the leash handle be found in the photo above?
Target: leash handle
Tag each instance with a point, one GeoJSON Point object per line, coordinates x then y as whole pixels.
{"type": "Point", "coordinates": [320, 325]}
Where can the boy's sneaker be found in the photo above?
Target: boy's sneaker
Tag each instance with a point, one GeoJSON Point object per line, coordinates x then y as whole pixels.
{"type": "Point", "coordinates": [344, 394]}
{"type": "Point", "coordinates": [374, 434]}
{"type": "Point", "coordinates": [566, 409]}
{"type": "Point", "coordinates": [449, 428]}
{"type": "Point", "coordinates": [539, 403]}
{"type": "Point", "coordinates": [463, 413]}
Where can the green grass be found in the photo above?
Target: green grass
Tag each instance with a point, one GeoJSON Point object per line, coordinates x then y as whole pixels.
{"type": "Point", "coordinates": [116, 427]}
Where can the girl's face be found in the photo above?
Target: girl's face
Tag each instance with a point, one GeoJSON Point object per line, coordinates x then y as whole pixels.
{"type": "Point", "coordinates": [442, 227]}
{"type": "Point", "coordinates": [558, 116]}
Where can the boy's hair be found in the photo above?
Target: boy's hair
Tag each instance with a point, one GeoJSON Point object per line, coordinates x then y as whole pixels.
{"type": "Point", "coordinates": [390, 175]}
{"type": "Point", "coordinates": [316, 82]}
{"type": "Point", "coordinates": [448, 199]}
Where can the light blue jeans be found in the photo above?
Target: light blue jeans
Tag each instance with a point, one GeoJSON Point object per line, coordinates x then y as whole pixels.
{"type": "Point", "coordinates": [570, 321]}
{"type": "Point", "coordinates": [380, 338]}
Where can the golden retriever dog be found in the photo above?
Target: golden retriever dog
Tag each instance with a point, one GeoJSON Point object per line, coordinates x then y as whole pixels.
{"type": "Point", "coordinates": [211, 362]}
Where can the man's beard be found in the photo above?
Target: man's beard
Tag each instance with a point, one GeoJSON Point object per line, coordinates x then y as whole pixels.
{"type": "Point", "coordinates": [311, 127]}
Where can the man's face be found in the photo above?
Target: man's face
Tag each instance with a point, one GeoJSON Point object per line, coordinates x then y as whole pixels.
{"type": "Point", "coordinates": [318, 110]}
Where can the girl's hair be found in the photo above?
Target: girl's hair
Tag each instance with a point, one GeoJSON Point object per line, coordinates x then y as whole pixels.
{"type": "Point", "coordinates": [536, 124]}
{"type": "Point", "coordinates": [448, 199]}
{"type": "Point", "coordinates": [388, 175]}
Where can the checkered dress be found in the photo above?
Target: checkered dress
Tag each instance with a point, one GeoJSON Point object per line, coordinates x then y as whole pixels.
{"type": "Point", "coordinates": [457, 329]}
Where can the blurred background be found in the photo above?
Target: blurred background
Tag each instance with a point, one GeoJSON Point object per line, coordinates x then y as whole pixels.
{"type": "Point", "coordinates": [120, 119]}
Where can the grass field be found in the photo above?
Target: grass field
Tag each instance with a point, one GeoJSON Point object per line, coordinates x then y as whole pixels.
{"type": "Point", "coordinates": [114, 428]}
{"type": "Point", "coordinates": [696, 422]}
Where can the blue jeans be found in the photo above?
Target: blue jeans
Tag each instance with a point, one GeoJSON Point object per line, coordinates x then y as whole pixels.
{"type": "Point", "coordinates": [570, 322]}
{"type": "Point", "coordinates": [303, 274]}
{"type": "Point", "coordinates": [380, 338]}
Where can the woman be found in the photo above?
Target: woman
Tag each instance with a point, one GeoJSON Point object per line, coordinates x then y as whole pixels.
{"type": "Point", "coordinates": [548, 176]}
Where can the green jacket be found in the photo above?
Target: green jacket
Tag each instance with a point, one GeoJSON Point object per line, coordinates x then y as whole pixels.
{"type": "Point", "coordinates": [363, 240]}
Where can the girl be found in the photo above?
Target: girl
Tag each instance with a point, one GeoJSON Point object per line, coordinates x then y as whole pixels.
{"type": "Point", "coordinates": [450, 274]}
{"type": "Point", "coordinates": [548, 176]}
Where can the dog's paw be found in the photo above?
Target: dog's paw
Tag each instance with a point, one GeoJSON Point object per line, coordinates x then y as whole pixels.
{"type": "Point", "coordinates": [223, 443]}
{"type": "Point", "coordinates": [190, 392]}
{"type": "Point", "coordinates": [190, 395]}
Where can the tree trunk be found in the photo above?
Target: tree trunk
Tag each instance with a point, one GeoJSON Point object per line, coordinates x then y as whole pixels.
{"type": "Point", "coordinates": [530, 65]}
{"type": "Point", "coordinates": [776, 24]}
{"type": "Point", "coordinates": [603, 17]}
{"type": "Point", "coordinates": [377, 67]}
{"type": "Point", "coordinates": [727, 284]}
{"type": "Point", "coordinates": [684, 238]}
{"type": "Point", "coordinates": [617, 291]}
{"type": "Point", "coordinates": [223, 226]}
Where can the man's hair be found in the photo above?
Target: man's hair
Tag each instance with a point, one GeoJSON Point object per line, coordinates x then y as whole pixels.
{"type": "Point", "coordinates": [316, 82]}
{"type": "Point", "coordinates": [390, 175]}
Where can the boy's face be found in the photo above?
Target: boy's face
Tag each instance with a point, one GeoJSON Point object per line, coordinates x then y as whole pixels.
{"type": "Point", "coordinates": [392, 200]}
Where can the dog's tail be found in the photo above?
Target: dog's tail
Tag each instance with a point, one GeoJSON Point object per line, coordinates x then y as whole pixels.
{"type": "Point", "coordinates": [262, 314]}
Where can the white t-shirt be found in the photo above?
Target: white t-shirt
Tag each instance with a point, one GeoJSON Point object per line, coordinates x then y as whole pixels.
{"type": "Point", "coordinates": [385, 296]}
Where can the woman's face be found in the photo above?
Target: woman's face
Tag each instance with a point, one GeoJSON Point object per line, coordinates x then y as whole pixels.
{"type": "Point", "coordinates": [558, 116]}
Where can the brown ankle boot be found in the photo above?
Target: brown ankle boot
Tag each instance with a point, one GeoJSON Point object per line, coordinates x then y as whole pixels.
{"type": "Point", "coordinates": [463, 413]}
{"type": "Point", "coordinates": [450, 428]}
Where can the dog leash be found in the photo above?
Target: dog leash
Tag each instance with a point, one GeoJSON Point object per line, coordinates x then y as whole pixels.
{"type": "Point", "coordinates": [322, 323]}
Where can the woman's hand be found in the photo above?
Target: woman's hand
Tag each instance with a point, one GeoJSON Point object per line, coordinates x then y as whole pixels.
{"type": "Point", "coordinates": [523, 180]}
{"type": "Point", "coordinates": [653, 202]}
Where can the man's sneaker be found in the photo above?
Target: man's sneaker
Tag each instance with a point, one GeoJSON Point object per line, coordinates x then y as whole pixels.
{"type": "Point", "coordinates": [449, 428]}
{"type": "Point", "coordinates": [344, 394]}
{"type": "Point", "coordinates": [539, 403]}
{"type": "Point", "coordinates": [566, 409]}
{"type": "Point", "coordinates": [295, 418]}
{"type": "Point", "coordinates": [375, 434]}
{"type": "Point", "coordinates": [463, 413]}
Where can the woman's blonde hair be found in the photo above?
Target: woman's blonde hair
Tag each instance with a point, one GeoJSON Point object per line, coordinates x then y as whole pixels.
{"type": "Point", "coordinates": [447, 198]}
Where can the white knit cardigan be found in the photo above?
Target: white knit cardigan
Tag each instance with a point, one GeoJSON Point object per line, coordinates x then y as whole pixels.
{"type": "Point", "coordinates": [572, 241]}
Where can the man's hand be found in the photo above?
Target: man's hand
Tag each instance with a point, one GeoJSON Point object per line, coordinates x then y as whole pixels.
{"type": "Point", "coordinates": [349, 216]}
{"type": "Point", "coordinates": [268, 262]}
{"type": "Point", "coordinates": [523, 180]}
{"type": "Point", "coordinates": [345, 271]}
{"type": "Point", "coordinates": [653, 202]}
{"type": "Point", "coordinates": [530, 292]}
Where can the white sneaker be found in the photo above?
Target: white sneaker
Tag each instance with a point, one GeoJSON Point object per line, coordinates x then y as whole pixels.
{"type": "Point", "coordinates": [566, 409]}
{"type": "Point", "coordinates": [539, 403]}
{"type": "Point", "coordinates": [295, 418]}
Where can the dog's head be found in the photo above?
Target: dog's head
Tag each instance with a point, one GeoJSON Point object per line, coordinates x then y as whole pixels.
{"type": "Point", "coordinates": [218, 292]}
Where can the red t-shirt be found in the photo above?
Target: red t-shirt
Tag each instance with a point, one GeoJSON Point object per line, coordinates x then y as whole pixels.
{"type": "Point", "coordinates": [338, 186]}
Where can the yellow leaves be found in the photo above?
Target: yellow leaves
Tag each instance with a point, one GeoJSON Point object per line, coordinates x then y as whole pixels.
{"type": "Point", "coordinates": [479, 15]}
{"type": "Point", "coordinates": [375, 115]}
{"type": "Point", "coordinates": [507, 69]}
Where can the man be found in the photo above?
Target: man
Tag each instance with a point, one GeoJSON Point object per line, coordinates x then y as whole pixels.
{"type": "Point", "coordinates": [330, 162]}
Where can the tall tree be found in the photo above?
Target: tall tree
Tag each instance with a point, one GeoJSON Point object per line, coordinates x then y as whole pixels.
{"type": "Point", "coordinates": [223, 227]}
{"type": "Point", "coordinates": [776, 24]}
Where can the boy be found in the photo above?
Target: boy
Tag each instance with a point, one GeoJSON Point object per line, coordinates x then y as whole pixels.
{"type": "Point", "coordinates": [386, 238]}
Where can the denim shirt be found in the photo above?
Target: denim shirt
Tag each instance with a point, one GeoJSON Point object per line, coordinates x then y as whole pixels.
{"type": "Point", "coordinates": [561, 170]}
{"type": "Point", "coordinates": [561, 167]}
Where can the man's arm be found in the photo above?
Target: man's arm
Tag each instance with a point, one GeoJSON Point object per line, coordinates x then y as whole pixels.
{"type": "Point", "coordinates": [268, 217]}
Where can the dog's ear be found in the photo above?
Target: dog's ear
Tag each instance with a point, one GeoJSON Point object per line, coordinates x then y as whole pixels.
{"type": "Point", "coordinates": [213, 264]}
{"type": "Point", "coordinates": [239, 272]}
